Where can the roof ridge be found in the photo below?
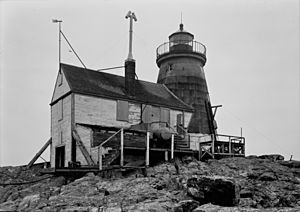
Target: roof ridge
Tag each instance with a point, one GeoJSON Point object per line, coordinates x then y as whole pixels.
{"type": "Point", "coordinates": [105, 73]}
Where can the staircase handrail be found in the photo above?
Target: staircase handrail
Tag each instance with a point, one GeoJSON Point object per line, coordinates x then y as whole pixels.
{"type": "Point", "coordinates": [184, 130]}
{"type": "Point", "coordinates": [104, 142]}
{"type": "Point", "coordinates": [101, 145]}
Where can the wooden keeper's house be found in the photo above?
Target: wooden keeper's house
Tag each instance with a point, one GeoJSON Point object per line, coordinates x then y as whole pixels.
{"type": "Point", "coordinates": [97, 116]}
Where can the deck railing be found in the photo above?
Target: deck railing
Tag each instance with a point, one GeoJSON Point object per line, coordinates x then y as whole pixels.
{"type": "Point", "coordinates": [223, 145]}
{"type": "Point", "coordinates": [180, 46]}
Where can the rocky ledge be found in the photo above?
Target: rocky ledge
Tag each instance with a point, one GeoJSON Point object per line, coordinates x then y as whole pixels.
{"type": "Point", "coordinates": [231, 184]}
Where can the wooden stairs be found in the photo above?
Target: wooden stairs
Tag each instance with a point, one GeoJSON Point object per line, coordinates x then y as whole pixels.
{"type": "Point", "coordinates": [182, 142]}
{"type": "Point", "coordinates": [111, 157]}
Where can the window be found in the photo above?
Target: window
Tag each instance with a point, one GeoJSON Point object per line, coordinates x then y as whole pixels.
{"type": "Point", "coordinates": [60, 110]}
{"type": "Point", "coordinates": [122, 110]}
{"type": "Point", "coordinates": [60, 139]}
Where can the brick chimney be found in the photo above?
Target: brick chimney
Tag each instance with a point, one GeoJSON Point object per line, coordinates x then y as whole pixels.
{"type": "Point", "coordinates": [130, 77]}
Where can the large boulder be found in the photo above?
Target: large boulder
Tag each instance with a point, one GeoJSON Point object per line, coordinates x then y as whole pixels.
{"type": "Point", "coordinates": [216, 190]}
{"type": "Point", "coordinates": [272, 157]}
{"type": "Point", "coordinates": [186, 206]}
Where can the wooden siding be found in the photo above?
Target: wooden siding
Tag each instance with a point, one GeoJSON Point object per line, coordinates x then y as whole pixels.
{"type": "Point", "coordinates": [146, 116]}
{"type": "Point", "coordinates": [62, 89]}
{"type": "Point", "coordinates": [187, 119]}
{"type": "Point", "coordinates": [165, 115]}
{"type": "Point", "coordinates": [99, 111]}
{"type": "Point", "coordinates": [61, 129]}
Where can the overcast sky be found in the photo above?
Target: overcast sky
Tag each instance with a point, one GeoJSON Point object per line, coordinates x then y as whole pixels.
{"type": "Point", "coordinates": [252, 64]}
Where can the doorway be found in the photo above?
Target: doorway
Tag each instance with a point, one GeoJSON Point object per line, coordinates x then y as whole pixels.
{"type": "Point", "coordinates": [60, 157]}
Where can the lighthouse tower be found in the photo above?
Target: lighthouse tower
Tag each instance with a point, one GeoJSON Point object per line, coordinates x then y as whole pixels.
{"type": "Point", "coordinates": [181, 62]}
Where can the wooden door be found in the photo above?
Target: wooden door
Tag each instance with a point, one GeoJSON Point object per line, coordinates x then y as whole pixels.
{"type": "Point", "coordinates": [60, 157]}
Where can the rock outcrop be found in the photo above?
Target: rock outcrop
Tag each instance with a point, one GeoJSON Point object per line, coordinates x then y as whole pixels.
{"type": "Point", "coordinates": [217, 190]}
{"type": "Point", "coordinates": [246, 184]}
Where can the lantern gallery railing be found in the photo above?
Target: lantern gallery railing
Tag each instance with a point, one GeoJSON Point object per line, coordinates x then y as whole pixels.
{"type": "Point", "coordinates": [180, 46]}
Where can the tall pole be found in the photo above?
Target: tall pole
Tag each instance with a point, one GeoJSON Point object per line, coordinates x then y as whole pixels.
{"type": "Point", "coordinates": [59, 40]}
{"type": "Point", "coordinates": [59, 43]}
{"type": "Point", "coordinates": [130, 56]}
{"type": "Point", "coordinates": [131, 17]}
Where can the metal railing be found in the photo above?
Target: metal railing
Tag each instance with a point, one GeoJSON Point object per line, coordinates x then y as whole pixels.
{"type": "Point", "coordinates": [180, 46]}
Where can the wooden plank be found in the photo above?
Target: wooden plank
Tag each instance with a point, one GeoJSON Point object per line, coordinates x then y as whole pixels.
{"type": "Point", "coordinates": [39, 153]}
{"type": "Point", "coordinates": [83, 149]}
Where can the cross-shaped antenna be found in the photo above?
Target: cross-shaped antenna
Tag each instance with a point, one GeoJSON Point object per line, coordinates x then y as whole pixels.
{"type": "Point", "coordinates": [131, 16]}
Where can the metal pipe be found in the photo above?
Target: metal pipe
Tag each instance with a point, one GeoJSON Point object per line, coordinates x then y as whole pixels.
{"type": "Point", "coordinates": [131, 16]}
{"type": "Point", "coordinates": [147, 148]}
{"type": "Point", "coordinates": [172, 146]}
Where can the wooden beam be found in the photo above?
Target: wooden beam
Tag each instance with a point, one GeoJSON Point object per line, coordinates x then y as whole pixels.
{"type": "Point", "coordinates": [82, 148]}
{"type": "Point", "coordinates": [100, 157]}
{"type": "Point", "coordinates": [39, 153]}
{"type": "Point", "coordinates": [215, 111]}
{"type": "Point", "coordinates": [200, 151]}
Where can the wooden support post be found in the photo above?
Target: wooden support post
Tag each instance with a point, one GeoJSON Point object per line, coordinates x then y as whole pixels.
{"type": "Point", "coordinates": [147, 148]}
{"type": "Point", "coordinates": [230, 146]}
{"type": "Point", "coordinates": [172, 147]}
{"type": "Point", "coordinates": [122, 147]}
{"type": "Point", "coordinates": [100, 157]}
{"type": "Point", "coordinates": [200, 151]}
{"type": "Point", "coordinates": [166, 155]}
{"type": "Point", "coordinates": [49, 142]}
{"type": "Point", "coordinates": [213, 145]}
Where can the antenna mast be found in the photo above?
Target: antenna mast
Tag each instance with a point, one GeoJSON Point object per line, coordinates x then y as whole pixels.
{"type": "Point", "coordinates": [131, 16]}
{"type": "Point", "coordinates": [59, 40]}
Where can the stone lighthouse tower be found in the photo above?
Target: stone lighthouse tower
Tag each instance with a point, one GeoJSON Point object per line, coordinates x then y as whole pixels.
{"type": "Point", "coordinates": [181, 62]}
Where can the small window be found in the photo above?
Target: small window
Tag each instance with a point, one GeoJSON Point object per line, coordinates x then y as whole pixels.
{"type": "Point", "coordinates": [60, 110]}
{"type": "Point", "coordinates": [61, 137]}
{"type": "Point", "coordinates": [122, 110]}
{"type": "Point", "coordinates": [60, 79]}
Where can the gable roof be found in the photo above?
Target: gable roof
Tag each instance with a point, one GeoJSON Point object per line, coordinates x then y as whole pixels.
{"type": "Point", "coordinates": [100, 84]}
